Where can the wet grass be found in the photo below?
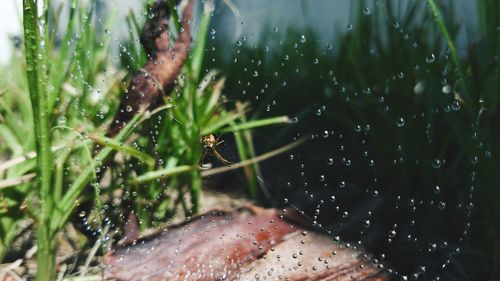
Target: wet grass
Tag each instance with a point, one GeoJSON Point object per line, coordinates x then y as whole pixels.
{"type": "Point", "coordinates": [393, 86]}
{"type": "Point", "coordinates": [70, 95]}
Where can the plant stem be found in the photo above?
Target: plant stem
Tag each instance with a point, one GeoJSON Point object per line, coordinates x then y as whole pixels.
{"type": "Point", "coordinates": [37, 82]}
{"type": "Point", "coordinates": [45, 255]}
{"type": "Point", "coordinates": [195, 191]}
{"type": "Point", "coordinates": [3, 251]}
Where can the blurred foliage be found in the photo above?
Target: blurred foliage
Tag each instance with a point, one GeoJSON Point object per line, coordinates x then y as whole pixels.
{"type": "Point", "coordinates": [393, 122]}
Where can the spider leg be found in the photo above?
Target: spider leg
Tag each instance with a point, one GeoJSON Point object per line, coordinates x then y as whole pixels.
{"type": "Point", "coordinates": [202, 158]}
{"type": "Point", "coordinates": [220, 158]}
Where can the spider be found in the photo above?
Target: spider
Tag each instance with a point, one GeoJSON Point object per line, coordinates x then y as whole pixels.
{"type": "Point", "coordinates": [209, 144]}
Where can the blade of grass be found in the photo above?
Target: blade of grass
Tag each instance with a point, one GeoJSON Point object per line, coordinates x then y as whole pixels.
{"type": "Point", "coordinates": [199, 49]}
{"type": "Point", "coordinates": [37, 82]}
{"type": "Point", "coordinates": [11, 140]}
{"type": "Point", "coordinates": [250, 174]}
{"type": "Point", "coordinates": [256, 124]}
{"type": "Point", "coordinates": [59, 174]}
{"type": "Point", "coordinates": [221, 121]}
{"type": "Point", "coordinates": [118, 146]}
{"type": "Point", "coordinates": [61, 72]}
{"type": "Point", "coordinates": [163, 173]}
{"type": "Point", "coordinates": [454, 54]}
{"type": "Point", "coordinates": [246, 150]}
{"type": "Point", "coordinates": [68, 202]}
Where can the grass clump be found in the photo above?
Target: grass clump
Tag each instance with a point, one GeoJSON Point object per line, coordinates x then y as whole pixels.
{"type": "Point", "coordinates": [70, 96]}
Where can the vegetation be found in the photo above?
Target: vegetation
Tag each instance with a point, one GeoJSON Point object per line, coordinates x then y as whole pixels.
{"type": "Point", "coordinates": [74, 93]}
{"type": "Point", "coordinates": [405, 114]}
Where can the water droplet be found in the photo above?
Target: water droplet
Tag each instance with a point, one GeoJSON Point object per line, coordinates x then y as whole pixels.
{"type": "Point", "coordinates": [419, 87]}
{"type": "Point", "coordinates": [302, 39]}
{"type": "Point", "coordinates": [367, 223]}
{"type": "Point", "coordinates": [455, 105]}
{"type": "Point", "coordinates": [430, 59]}
{"type": "Point", "coordinates": [61, 121]}
{"type": "Point", "coordinates": [437, 189]}
{"type": "Point", "coordinates": [436, 163]}
{"type": "Point", "coordinates": [442, 205]}
{"type": "Point", "coordinates": [474, 160]}
{"type": "Point", "coordinates": [446, 89]}
{"type": "Point", "coordinates": [400, 122]}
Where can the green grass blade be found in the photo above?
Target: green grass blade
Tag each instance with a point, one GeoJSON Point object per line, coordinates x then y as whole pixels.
{"type": "Point", "coordinates": [68, 202]}
{"type": "Point", "coordinates": [37, 83]}
{"type": "Point", "coordinates": [11, 140]}
{"type": "Point", "coordinates": [163, 173]}
{"type": "Point", "coordinates": [118, 146]}
{"type": "Point", "coordinates": [62, 73]}
{"type": "Point", "coordinates": [255, 124]}
{"type": "Point", "coordinates": [199, 49]}
{"type": "Point", "coordinates": [224, 119]}
{"type": "Point", "coordinates": [454, 53]}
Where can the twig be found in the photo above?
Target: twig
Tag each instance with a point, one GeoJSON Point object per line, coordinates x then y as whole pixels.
{"type": "Point", "coordinates": [16, 181]}
{"type": "Point", "coordinates": [11, 266]}
{"type": "Point", "coordinates": [13, 275]}
{"type": "Point", "coordinates": [30, 155]}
